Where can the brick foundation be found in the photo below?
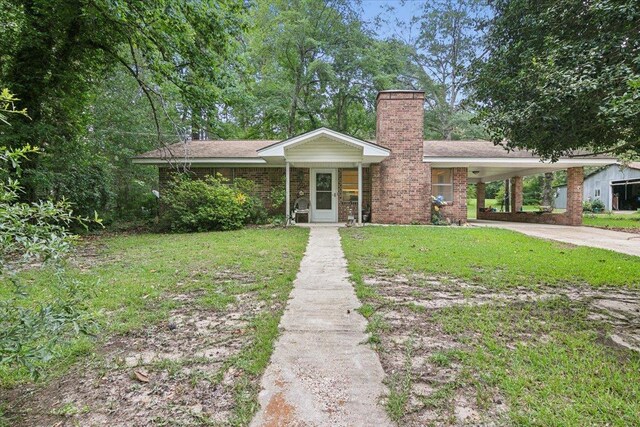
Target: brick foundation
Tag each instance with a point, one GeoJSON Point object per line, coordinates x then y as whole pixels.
{"type": "Point", "coordinates": [530, 217]}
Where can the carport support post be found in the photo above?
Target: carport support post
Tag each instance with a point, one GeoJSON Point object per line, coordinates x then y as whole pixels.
{"type": "Point", "coordinates": [287, 197]}
{"type": "Point", "coordinates": [575, 179]}
{"type": "Point", "coordinates": [359, 193]}
{"type": "Point", "coordinates": [516, 194]}
{"type": "Point", "coordinates": [480, 195]}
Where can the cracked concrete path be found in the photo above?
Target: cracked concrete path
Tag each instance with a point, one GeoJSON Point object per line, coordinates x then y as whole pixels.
{"type": "Point", "coordinates": [618, 241]}
{"type": "Point", "coordinates": [321, 372]}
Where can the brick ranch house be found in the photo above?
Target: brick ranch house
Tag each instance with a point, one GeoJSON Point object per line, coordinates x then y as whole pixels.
{"type": "Point", "coordinates": [391, 180]}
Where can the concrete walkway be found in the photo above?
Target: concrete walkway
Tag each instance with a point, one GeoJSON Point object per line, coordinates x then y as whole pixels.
{"type": "Point", "coordinates": [626, 243]}
{"type": "Point", "coordinates": [321, 373]}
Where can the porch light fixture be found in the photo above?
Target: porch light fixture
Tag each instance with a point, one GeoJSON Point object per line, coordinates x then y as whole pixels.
{"type": "Point", "coordinates": [475, 172]}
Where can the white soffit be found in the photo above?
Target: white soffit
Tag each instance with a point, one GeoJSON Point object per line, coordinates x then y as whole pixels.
{"type": "Point", "coordinates": [516, 162]}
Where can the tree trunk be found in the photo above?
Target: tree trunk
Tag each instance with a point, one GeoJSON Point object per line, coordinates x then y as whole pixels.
{"type": "Point", "coordinates": [547, 190]}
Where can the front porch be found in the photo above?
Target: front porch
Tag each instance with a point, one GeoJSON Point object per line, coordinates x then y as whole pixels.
{"type": "Point", "coordinates": [328, 173]}
{"type": "Point", "coordinates": [334, 194]}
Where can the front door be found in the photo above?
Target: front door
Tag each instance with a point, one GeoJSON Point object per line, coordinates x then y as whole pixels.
{"type": "Point", "coordinates": [324, 195]}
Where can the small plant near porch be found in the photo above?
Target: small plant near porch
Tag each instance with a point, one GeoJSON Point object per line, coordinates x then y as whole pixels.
{"type": "Point", "coordinates": [436, 211]}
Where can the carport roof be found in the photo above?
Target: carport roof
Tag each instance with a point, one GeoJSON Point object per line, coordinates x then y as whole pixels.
{"type": "Point", "coordinates": [478, 148]}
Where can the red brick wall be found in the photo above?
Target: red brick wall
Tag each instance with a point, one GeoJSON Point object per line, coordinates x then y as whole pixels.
{"type": "Point", "coordinates": [531, 217]}
{"type": "Point", "coordinates": [401, 183]}
{"type": "Point", "coordinates": [572, 216]}
{"type": "Point", "coordinates": [456, 211]}
{"type": "Point", "coordinates": [481, 188]}
{"type": "Point", "coordinates": [516, 194]}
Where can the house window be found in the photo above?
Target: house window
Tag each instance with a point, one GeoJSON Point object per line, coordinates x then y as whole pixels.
{"type": "Point", "coordinates": [442, 184]}
{"type": "Point", "coordinates": [350, 185]}
{"type": "Point", "coordinates": [596, 192]}
{"type": "Point", "coordinates": [226, 173]}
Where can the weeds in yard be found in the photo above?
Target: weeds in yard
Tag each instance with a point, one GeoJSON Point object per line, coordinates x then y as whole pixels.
{"type": "Point", "coordinates": [547, 360]}
{"type": "Point", "coordinates": [158, 294]}
{"type": "Point", "coordinates": [509, 327]}
{"type": "Point", "coordinates": [375, 327]}
{"type": "Point", "coordinates": [400, 386]}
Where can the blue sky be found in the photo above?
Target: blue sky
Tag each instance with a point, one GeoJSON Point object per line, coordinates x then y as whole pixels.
{"type": "Point", "coordinates": [391, 11]}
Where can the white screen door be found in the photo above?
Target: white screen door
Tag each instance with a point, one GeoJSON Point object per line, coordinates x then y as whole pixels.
{"type": "Point", "coordinates": [323, 195]}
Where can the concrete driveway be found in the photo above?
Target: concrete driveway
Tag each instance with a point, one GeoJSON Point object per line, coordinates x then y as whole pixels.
{"type": "Point", "coordinates": [626, 243]}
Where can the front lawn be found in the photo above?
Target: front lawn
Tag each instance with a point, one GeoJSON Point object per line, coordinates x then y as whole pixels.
{"type": "Point", "coordinates": [487, 326]}
{"type": "Point", "coordinates": [622, 222]}
{"type": "Point", "coordinates": [187, 326]}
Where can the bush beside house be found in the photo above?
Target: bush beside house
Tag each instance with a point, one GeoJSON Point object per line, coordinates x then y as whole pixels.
{"type": "Point", "coordinates": [593, 205]}
{"type": "Point", "coordinates": [210, 204]}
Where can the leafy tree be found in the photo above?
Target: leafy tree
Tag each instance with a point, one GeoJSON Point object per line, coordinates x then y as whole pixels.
{"type": "Point", "coordinates": [562, 75]}
{"type": "Point", "coordinates": [122, 126]}
{"type": "Point", "coordinates": [447, 43]}
{"type": "Point", "coordinates": [311, 64]}
{"type": "Point", "coordinates": [52, 57]}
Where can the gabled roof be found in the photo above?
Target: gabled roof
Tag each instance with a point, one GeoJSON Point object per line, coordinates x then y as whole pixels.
{"type": "Point", "coordinates": [440, 153]}
{"type": "Point", "coordinates": [369, 148]}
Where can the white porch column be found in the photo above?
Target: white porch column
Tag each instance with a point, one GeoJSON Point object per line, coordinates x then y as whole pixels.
{"type": "Point", "coordinates": [287, 197]}
{"type": "Point", "coordinates": [359, 193]}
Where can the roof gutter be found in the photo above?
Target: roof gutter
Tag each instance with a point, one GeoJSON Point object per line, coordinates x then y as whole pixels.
{"type": "Point", "coordinates": [200, 160]}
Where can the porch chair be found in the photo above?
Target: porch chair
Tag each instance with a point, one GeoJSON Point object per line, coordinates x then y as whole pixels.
{"type": "Point", "coordinates": [300, 206]}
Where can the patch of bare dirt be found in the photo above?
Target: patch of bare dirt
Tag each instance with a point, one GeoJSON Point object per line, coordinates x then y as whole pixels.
{"type": "Point", "coordinates": [173, 373]}
{"type": "Point", "coordinates": [437, 396]}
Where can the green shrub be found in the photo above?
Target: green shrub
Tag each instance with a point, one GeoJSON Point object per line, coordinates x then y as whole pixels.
{"type": "Point", "coordinates": [204, 205]}
{"type": "Point", "coordinates": [278, 194]}
{"type": "Point", "coordinates": [597, 205]}
{"type": "Point", "coordinates": [256, 212]}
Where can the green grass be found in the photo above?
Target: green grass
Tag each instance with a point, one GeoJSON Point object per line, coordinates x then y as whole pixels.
{"type": "Point", "coordinates": [627, 221]}
{"type": "Point", "coordinates": [492, 257]}
{"type": "Point", "coordinates": [400, 387]}
{"type": "Point", "coordinates": [547, 359]}
{"type": "Point", "coordinates": [136, 273]}
{"type": "Point", "coordinates": [568, 378]}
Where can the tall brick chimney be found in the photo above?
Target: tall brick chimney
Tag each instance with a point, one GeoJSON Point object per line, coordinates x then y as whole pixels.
{"type": "Point", "coordinates": [401, 183]}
